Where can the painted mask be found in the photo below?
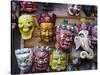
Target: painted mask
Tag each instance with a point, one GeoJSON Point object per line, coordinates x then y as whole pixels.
{"type": "Point", "coordinates": [28, 6]}
{"type": "Point", "coordinates": [88, 10]}
{"type": "Point", "coordinates": [24, 59]}
{"type": "Point", "coordinates": [58, 60]}
{"type": "Point", "coordinates": [26, 26]}
{"type": "Point", "coordinates": [75, 56]}
{"type": "Point", "coordinates": [46, 24]}
{"type": "Point", "coordinates": [83, 40]}
{"type": "Point", "coordinates": [41, 59]}
{"type": "Point", "coordinates": [94, 33]}
{"type": "Point", "coordinates": [64, 36]}
{"type": "Point", "coordinates": [74, 10]}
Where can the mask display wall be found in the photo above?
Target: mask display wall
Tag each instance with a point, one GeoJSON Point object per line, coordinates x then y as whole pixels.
{"type": "Point", "coordinates": [64, 36]}
{"type": "Point", "coordinates": [24, 59]}
{"type": "Point", "coordinates": [26, 26]}
{"type": "Point", "coordinates": [83, 40]}
{"type": "Point", "coordinates": [53, 37]}
{"type": "Point", "coordinates": [28, 6]}
{"type": "Point", "coordinates": [41, 59]}
{"type": "Point", "coordinates": [74, 10]}
{"type": "Point", "coordinates": [46, 25]}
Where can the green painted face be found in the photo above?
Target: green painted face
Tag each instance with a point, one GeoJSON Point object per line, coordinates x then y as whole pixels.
{"type": "Point", "coordinates": [26, 26]}
{"type": "Point", "coordinates": [58, 60]}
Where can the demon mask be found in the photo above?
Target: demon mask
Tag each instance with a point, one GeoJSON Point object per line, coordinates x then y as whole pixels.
{"type": "Point", "coordinates": [28, 6]}
{"type": "Point", "coordinates": [40, 59]}
{"type": "Point", "coordinates": [64, 36]}
{"type": "Point", "coordinates": [58, 60]}
{"type": "Point", "coordinates": [74, 10]}
{"type": "Point", "coordinates": [26, 26]}
{"type": "Point", "coordinates": [24, 59]}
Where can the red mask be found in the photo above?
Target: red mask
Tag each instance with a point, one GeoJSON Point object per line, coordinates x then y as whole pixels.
{"type": "Point", "coordinates": [64, 36]}
{"type": "Point", "coordinates": [41, 59]}
{"type": "Point", "coordinates": [28, 6]}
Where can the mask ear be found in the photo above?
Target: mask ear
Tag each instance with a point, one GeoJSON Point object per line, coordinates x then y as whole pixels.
{"type": "Point", "coordinates": [77, 42]}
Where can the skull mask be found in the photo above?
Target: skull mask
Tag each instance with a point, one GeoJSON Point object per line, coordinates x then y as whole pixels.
{"type": "Point", "coordinates": [41, 59]}
{"type": "Point", "coordinates": [64, 36]}
{"type": "Point", "coordinates": [26, 26]}
{"type": "Point", "coordinates": [58, 60]}
{"type": "Point", "coordinates": [24, 59]}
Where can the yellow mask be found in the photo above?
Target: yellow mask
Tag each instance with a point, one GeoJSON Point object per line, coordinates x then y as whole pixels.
{"type": "Point", "coordinates": [58, 60]}
{"type": "Point", "coordinates": [46, 31]}
{"type": "Point", "coordinates": [26, 26]}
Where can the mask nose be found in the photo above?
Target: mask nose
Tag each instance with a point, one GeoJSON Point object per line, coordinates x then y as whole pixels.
{"type": "Point", "coordinates": [59, 61]}
{"type": "Point", "coordinates": [47, 33]}
{"type": "Point", "coordinates": [40, 62]}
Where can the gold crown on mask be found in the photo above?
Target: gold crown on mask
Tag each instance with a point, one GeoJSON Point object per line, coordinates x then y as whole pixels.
{"type": "Point", "coordinates": [42, 48]}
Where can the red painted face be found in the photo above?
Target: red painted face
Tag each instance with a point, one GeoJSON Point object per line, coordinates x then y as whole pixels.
{"type": "Point", "coordinates": [64, 39]}
{"type": "Point", "coordinates": [41, 60]}
{"type": "Point", "coordinates": [28, 6]}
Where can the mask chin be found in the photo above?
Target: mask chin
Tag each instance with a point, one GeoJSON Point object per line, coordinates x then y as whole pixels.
{"type": "Point", "coordinates": [27, 35]}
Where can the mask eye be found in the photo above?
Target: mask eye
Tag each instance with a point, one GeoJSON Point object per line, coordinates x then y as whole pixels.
{"type": "Point", "coordinates": [36, 59]}
{"type": "Point", "coordinates": [46, 59]}
{"type": "Point", "coordinates": [27, 60]}
{"type": "Point", "coordinates": [81, 35]}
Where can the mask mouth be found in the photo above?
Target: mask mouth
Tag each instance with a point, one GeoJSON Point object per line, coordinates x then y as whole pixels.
{"type": "Point", "coordinates": [66, 44]}
{"type": "Point", "coordinates": [58, 68]}
{"type": "Point", "coordinates": [29, 6]}
{"type": "Point", "coordinates": [41, 67]}
{"type": "Point", "coordinates": [26, 30]}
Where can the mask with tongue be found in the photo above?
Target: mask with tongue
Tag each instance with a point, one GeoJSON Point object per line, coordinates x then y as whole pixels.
{"type": "Point", "coordinates": [28, 6]}
{"type": "Point", "coordinates": [64, 36]}
{"type": "Point", "coordinates": [26, 26]}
